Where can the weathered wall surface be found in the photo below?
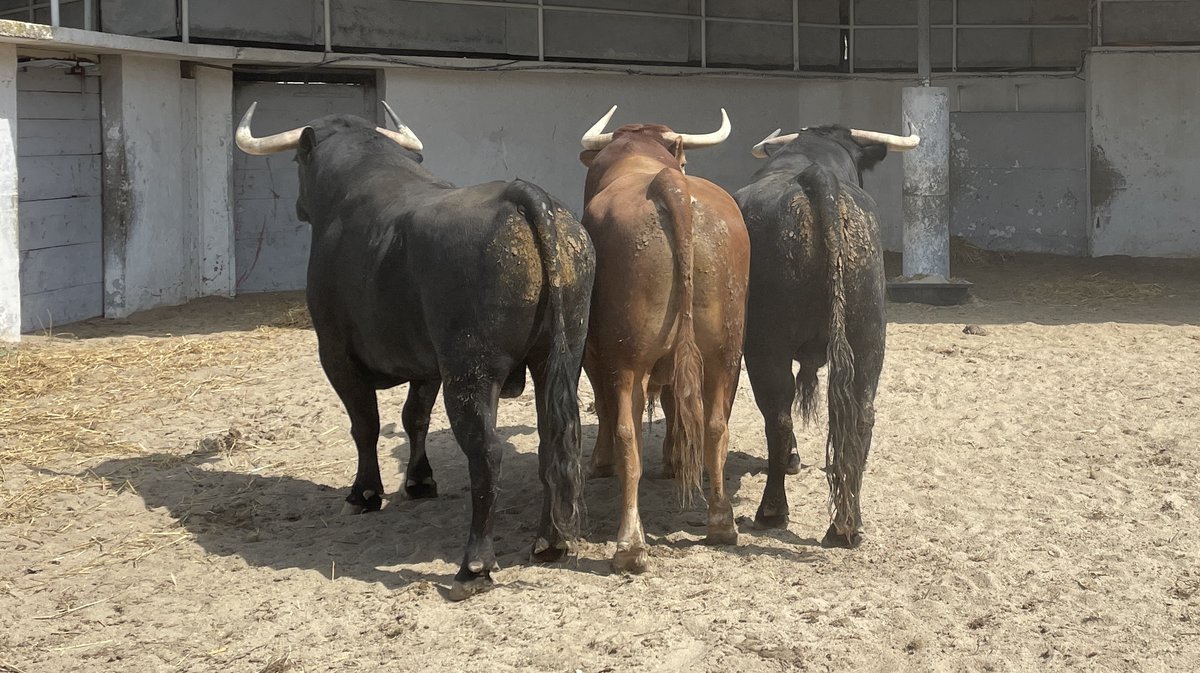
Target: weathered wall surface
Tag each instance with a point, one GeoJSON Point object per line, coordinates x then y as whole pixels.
{"type": "Point", "coordinates": [10, 253]}
{"type": "Point", "coordinates": [1018, 180]}
{"type": "Point", "coordinates": [164, 183]}
{"type": "Point", "coordinates": [484, 126]}
{"type": "Point", "coordinates": [213, 155]}
{"type": "Point", "coordinates": [1145, 162]}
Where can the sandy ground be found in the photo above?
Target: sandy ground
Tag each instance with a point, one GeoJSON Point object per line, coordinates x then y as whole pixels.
{"type": "Point", "coordinates": [1032, 503]}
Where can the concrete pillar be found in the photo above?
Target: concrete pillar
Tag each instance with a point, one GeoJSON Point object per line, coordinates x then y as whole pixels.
{"type": "Point", "coordinates": [149, 238]}
{"type": "Point", "coordinates": [10, 249]}
{"type": "Point", "coordinates": [927, 183]}
{"type": "Point", "coordinates": [214, 173]}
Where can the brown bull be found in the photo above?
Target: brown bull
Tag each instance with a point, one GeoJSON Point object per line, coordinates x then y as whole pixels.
{"type": "Point", "coordinates": [668, 314]}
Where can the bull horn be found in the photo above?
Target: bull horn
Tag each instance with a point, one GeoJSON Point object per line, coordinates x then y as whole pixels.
{"type": "Point", "coordinates": [280, 142]}
{"type": "Point", "coordinates": [403, 135]}
{"type": "Point", "coordinates": [894, 143]}
{"type": "Point", "coordinates": [760, 150]}
{"type": "Point", "coordinates": [696, 141]}
{"type": "Point", "coordinates": [593, 139]}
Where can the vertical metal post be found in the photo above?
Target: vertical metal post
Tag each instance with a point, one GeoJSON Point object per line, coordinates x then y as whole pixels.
{"type": "Point", "coordinates": [31, 17]}
{"type": "Point", "coordinates": [55, 19]}
{"type": "Point", "coordinates": [1099, 23]}
{"type": "Point", "coordinates": [185, 21]}
{"type": "Point", "coordinates": [850, 44]}
{"type": "Point", "coordinates": [795, 34]}
{"type": "Point", "coordinates": [541, 31]}
{"type": "Point", "coordinates": [89, 14]}
{"type": "Point", "coordinates": [328, 29]}
{"type": "Point", "coordinates": [923, 31]}
{"type": "Point", "coordinates": [954, 37]}
{"type": "Point", "coordinates": [703, 34]}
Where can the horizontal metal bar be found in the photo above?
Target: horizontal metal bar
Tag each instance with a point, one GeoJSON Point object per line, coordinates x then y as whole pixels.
{"type": "Point", "coordinates": [760, 22]}
{"type": "Point", "coordinates": [24, 9]}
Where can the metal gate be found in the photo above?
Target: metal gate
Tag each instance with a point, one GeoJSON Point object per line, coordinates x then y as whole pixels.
{"type": "Point", "coordinates": [271, 244]}
{"type": "Point", "coordinates": [58, 161]}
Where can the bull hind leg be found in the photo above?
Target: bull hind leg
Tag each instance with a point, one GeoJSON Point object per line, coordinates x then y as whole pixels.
{"type": "Point", "coordinates": [601, 463]}
{"type": "Point", "coordinates": [362, 406]}
{"type": "Point", "coordinates": [670, 462]}
{"type": "Point", "coordinates": [719, 390]}
{"type": "Point", "coordinates": [471, 405]}
{"type": "Point", "coordinates": [774, 390]}
{"type": "Point", "coordinates": [628, 390]}
{"type": "Point", "coordinates": [418, 482]}
{"type": "Point", "coordinates": [854, 441]}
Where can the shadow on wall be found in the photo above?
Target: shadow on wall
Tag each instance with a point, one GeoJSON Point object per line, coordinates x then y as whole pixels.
{"type": "Point", "coordinates": [1008, 288]}
{"type": "Point", "coordinates": [1054, 290]}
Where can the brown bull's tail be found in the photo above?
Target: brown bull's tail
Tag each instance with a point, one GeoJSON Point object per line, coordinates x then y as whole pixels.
{"type": "Point", "coordinates": [562, 474]}
{"type": "Point", "coordinates": [669, 191]}
{"type": "Point", "coordinates": [845, 452]}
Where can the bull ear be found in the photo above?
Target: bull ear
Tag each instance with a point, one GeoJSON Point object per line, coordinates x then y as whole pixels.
{"type": "Point", "coordinates": [587, 156]}
{"type": "Point", "coordinates": [871, 155]}
{"type": "Point", "coordinates": [308, 143]}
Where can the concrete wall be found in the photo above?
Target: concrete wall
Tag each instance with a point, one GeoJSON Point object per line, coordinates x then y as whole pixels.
{"type": "Point", "coordinates": [10, 254]}
{"type": "Point", "coordinates": [163, 177]}
{"type": "Point", "coordinates": [484, 126]}
{"type": "Point", "coordinates": [1018, 181]}
{"type": "Point", "coordinates": [1145, 152]}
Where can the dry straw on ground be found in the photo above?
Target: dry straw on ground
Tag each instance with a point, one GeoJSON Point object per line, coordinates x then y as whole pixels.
{"type": "Point", "coordinates": [1089, 289]}
{"type": "Point", "coordinates": [50, 409]}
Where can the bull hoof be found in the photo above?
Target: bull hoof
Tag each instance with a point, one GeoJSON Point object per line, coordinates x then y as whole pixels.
{"type": "Point", "coordinates": [416, 490]}
{"type": "Point", "coordinates": [359, 502]}
{"type": "Point", "coordinates": [727, 537]}
{"type": "Point", "coordinates": [544, 552]}
{"type": "Point", "coordinates": [464, 589]}
{"type": "Point", "coordinates": [794, 465]}
{"type": "Point", "coordinates": [634, 560]}
{"type": "Point", "coordinates": [835, 539]}
{"type": "Point", "coordinates": [601, 471]}
{"type": "Point", "coordinates": [763, 520]}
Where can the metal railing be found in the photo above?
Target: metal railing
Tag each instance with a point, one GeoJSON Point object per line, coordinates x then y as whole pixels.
{"type": "Point", "coordinates": [29, 11]}
{"type": "Point", "coordinates": [851, 28]}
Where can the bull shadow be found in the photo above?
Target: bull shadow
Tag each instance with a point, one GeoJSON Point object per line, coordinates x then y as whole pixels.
{"type": "Point", "coordinates": [285, 522]}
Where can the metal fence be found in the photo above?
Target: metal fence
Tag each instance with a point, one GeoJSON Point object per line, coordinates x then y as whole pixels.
{"type": "Point", "coordinates": [838, 35]}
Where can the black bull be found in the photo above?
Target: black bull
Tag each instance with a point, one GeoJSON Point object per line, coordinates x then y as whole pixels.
{"type": "Point", "coordinates": [816, 295]}
{"type": "Point", "coordinates": [413, 280]}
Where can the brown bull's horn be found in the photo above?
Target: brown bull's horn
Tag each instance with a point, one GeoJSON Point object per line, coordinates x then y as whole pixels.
{"type": "Point", "coordinates": [894, 143]}
{"type": "Point", "coordinates": [695, 141]}
{"type": "Point", "coordinates": [403, 135]}
{"type": "Point", "coordinates": [280, 142]}
{"type": "Point", "coordinates": [760, 150]}
{"type": "Point", "coordinates": [593, 139]}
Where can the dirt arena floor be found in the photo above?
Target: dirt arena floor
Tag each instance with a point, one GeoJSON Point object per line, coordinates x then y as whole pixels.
{"type": "Point", "coordinates": [172, 486]}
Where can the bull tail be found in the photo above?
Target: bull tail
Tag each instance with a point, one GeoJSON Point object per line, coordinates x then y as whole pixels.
{"type": "Point", "coordinates": [845, 452]}
{"type": "Point", "coordinates": [669, 191]}
{"type": "Point", "coordinates": [562, 474]}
